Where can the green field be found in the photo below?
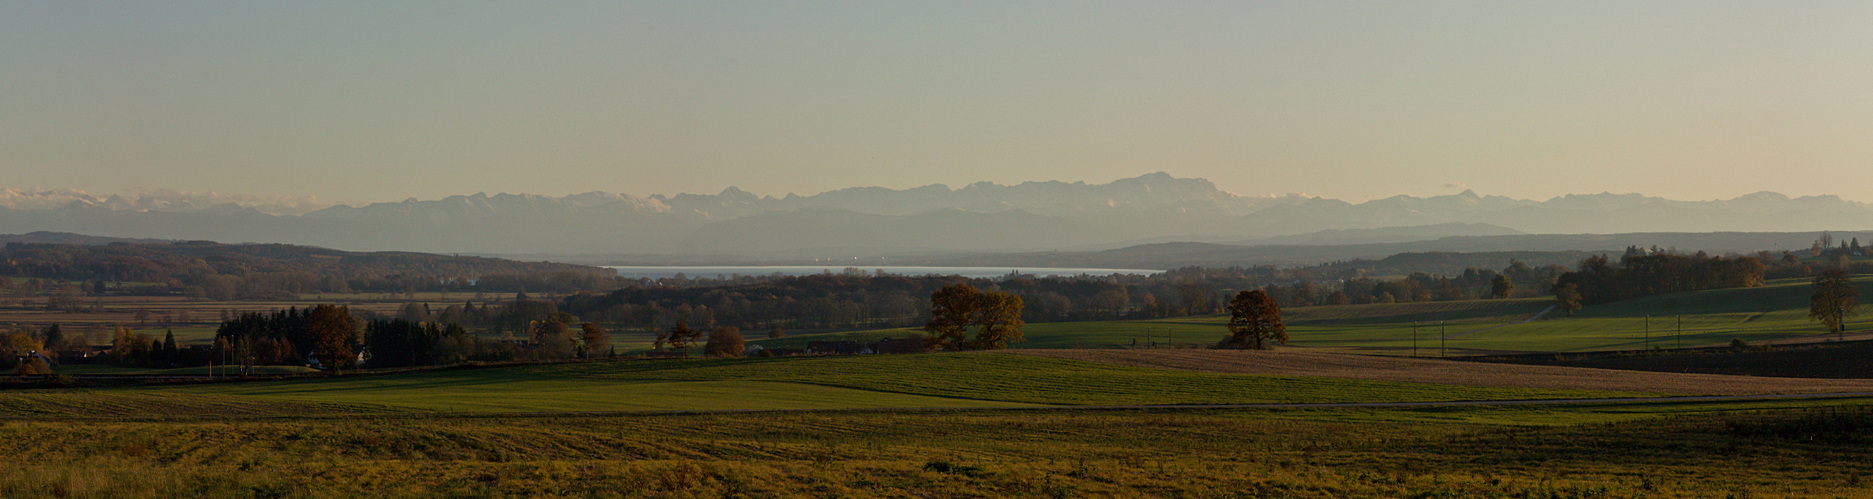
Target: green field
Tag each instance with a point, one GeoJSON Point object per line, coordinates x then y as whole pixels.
{"type": "Point", "coordinates": [830, 426]}
{"type": "Point", "coordinates": [530, 430]}
{"type": "Point", "coordinates": [900, 381]}
{"type": "Point", "coordinates": [1377, 323]}
{"type": "Point", "coordinates": [1777, 310]}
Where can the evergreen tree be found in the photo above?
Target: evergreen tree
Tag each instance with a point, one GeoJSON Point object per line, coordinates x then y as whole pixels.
{"type": "Point", "coordinates": [55, 338]}
{"type": "Point", "coordinates": [169, 347]}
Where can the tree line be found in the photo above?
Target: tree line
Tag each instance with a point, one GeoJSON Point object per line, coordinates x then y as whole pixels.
{"type": "Point", "coordinates": [226, 272]}
{"type": "Point", "coordinates": [334, 336]}
{"type": "Point", "coordinates": [1598, 280]}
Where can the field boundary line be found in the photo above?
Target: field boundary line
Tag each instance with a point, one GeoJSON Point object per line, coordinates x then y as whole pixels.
{"type": "Point", "coordinates": [888, 410]}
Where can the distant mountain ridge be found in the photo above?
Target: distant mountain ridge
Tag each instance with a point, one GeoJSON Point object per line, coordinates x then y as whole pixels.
{"type": "Point", "coordinates": [159, 200]}
{"type": "Point", "coordinates": [1564, 249]}
{"type": "Point", "coordinates": [876, 221]}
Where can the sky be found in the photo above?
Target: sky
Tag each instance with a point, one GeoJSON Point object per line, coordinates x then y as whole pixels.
{"type": "Point", "coordinates": [381, 101]}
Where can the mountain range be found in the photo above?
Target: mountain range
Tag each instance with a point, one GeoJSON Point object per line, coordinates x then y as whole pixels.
{"type": "Point", "coordinates": [917, 222]}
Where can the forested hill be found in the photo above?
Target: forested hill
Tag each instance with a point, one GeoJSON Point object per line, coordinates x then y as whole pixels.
{"type": "Point", "coordinates": [49, 237]}
{"type": "Point", "coordinates": [256, 270]}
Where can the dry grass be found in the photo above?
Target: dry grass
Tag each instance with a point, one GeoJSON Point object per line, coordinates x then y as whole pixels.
{"type": "Point", "coordinates": [1305, 363]}
{"type": "Point", "coordinates": [1420, 453]}
{"type": "Point", "coordinates": [44, 404]}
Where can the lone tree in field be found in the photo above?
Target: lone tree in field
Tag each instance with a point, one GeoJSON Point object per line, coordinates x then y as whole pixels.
{"type": "Point", "coordinates": [1501, 287]}
{"type": "Point", "coordinates": [1567, 298]}
{"type": "Point", "coordinates": [1833, 299]}
{"type": "Point", "coordinates": [725, 341]}
{"type": "Point", "coordinates": [958, 307]}
{"type": "Point", "coordinates": [333, 331]}
{"type": "Point", "coordinates": [1255, 318]}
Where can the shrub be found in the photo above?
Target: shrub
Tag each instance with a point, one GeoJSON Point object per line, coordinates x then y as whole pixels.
{"type": "Point", "coordinates": [725, 342]}
{"type": "Point", "coordinates": [34, 367]}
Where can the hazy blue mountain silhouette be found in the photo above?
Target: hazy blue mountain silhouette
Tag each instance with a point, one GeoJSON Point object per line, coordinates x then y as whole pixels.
{"type": "Point", "coordinates": [980, 217]}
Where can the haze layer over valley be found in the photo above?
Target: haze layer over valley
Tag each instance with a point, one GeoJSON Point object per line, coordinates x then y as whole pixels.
{"type": "Point", "coordinates": [927, 222]}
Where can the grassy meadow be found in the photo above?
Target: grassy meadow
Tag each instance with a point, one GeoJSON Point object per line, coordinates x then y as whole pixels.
{"type": "Point", "coordinates": [968, 424]}
{"type": "Point", "coordinates": [954, 380]}
{"type": "Point", "coordinates": [837, 427]}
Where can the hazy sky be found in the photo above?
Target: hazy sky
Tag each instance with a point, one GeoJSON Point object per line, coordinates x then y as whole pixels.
{"type": "Point", "coordinates": [379, 101]}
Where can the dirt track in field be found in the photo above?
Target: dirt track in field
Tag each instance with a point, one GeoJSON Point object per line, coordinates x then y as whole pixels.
{"type": "Point", "coordinates": [1304, 363]}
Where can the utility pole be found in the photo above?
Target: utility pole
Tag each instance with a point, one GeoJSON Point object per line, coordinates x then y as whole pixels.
{"type": "Point", "coordinates": [1441, 339]}
{"type": "Point", "coordinates": [1414, 339]}
{"type": "Point", "coordinates": [1648, 332]}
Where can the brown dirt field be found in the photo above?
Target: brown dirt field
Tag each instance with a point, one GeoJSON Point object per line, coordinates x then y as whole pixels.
{"type": "Point", "coordinates": [1304, 363]}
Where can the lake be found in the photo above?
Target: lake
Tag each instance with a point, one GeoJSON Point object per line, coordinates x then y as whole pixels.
{"type": "Point", "coordinates": [648, 272]}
